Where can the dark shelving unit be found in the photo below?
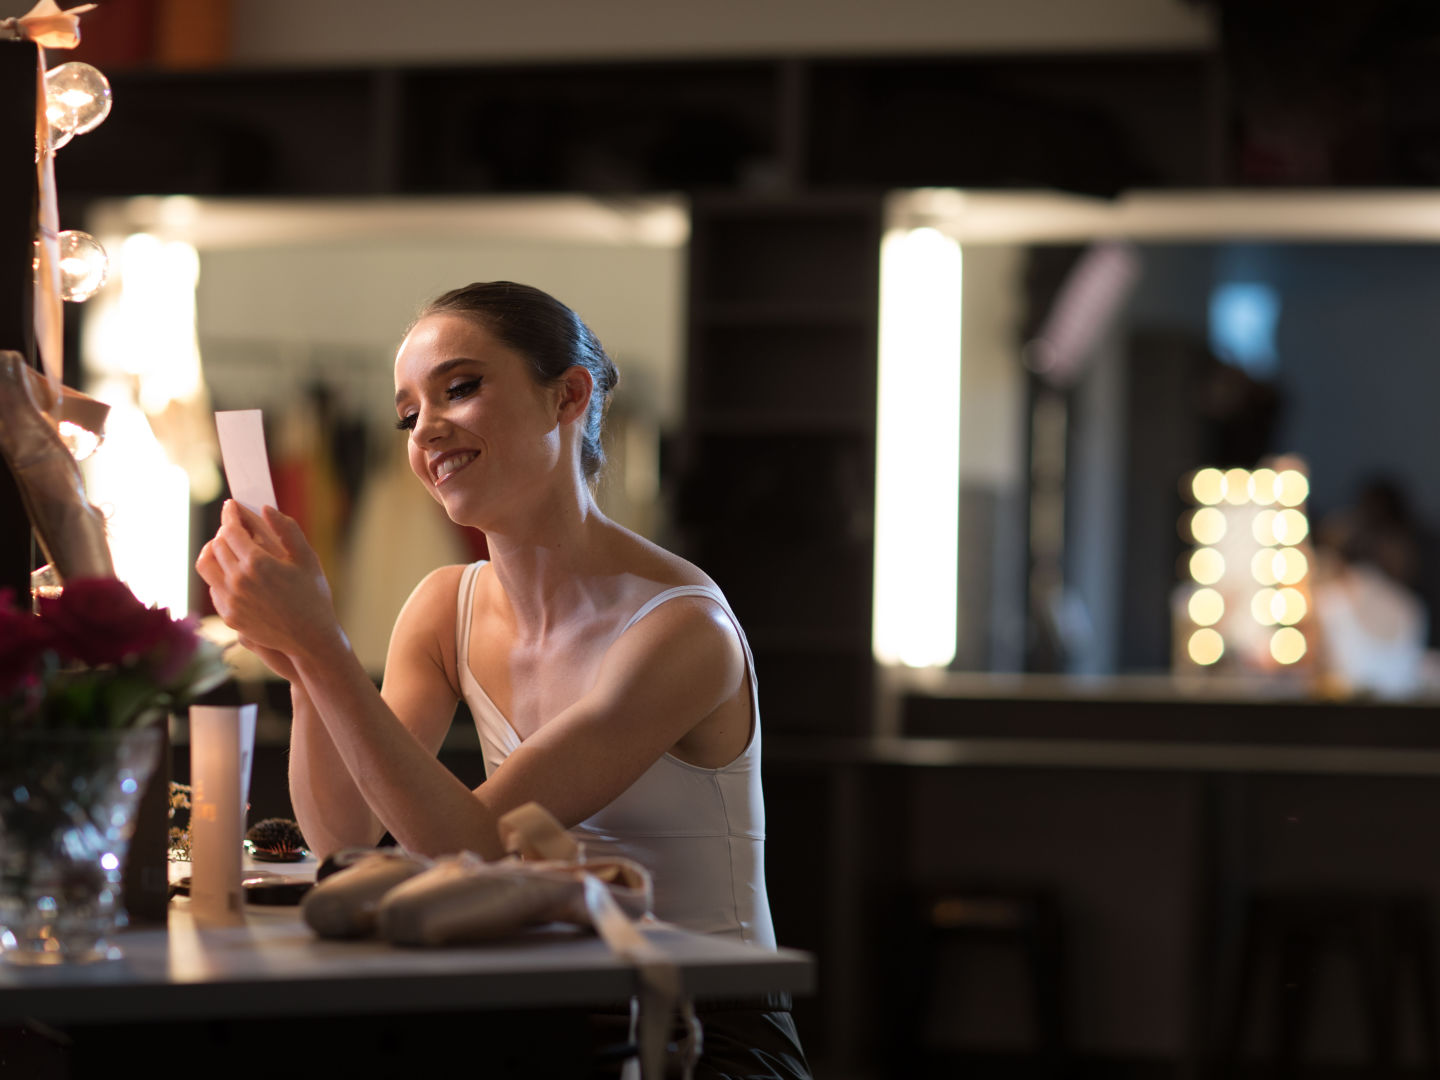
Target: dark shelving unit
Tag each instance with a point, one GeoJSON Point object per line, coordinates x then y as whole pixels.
{"type": "Point", "coordinates": [776, 489]}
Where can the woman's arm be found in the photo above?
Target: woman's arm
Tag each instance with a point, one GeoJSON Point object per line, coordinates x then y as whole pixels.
{"type": "Point", "coordinates": [329, 805]}
{"type": "Point", "coordinates": [658, 681]}
{"type": "Point", "coordinates": [330, 809]}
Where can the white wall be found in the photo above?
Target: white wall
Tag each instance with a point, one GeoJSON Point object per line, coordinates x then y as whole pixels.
{"type": "Point", "coordinates": [992, 391]}
{"type": "Point", "coordinates": [322, 32]}
{"type": "Point", "coordinates": [362, 295]}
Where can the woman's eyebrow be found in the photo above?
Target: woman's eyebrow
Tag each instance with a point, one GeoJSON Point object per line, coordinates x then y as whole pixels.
{"type": "Point", "coordinates": [439, 370]}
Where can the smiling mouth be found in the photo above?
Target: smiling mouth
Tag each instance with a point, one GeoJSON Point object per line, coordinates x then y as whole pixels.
{"type": "Point", "coordinates": [449, 466]}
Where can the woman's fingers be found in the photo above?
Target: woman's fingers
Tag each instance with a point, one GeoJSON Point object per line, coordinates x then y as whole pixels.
{"type": "Point", "coordinates": [275, 660]}
{"type": "Point", "coordinates": [206, 566]}
{"type": "Point", "coordinates": [224, 555]}
{"type": "Point", "coordinates": [266, 582]}
{"type": "Point", "coordinates": [220, 601]}
{"type": "Point", "coordinates": [241, 519]}
{"type": "Point", "coordinates": [287, 530]}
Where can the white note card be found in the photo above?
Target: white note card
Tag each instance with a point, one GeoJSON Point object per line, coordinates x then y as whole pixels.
{"type": "Point", "coordinates": [242, 449]}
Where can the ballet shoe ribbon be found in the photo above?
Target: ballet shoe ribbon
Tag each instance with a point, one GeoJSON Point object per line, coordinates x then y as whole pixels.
{"type": "Point", "coordinates": [48, 26]}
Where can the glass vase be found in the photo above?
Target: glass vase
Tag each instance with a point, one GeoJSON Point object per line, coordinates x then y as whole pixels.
{"type": "Point", "coordinates": [67, 811]}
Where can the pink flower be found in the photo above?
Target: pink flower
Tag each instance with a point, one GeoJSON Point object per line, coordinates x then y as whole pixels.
{"type": "Point", "coordinates": [176, 649]}
{"type": "Point", "coordinates": [98, 621]}
{"type": "Point", "coordinates": [23, 641]}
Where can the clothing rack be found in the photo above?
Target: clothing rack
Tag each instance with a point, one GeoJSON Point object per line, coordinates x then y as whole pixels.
{"type": "Point", "coordinates": [264, 373]}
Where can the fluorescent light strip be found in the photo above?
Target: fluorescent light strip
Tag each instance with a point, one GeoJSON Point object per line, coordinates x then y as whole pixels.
{"type": "Point", "coordinates": [917, 482]}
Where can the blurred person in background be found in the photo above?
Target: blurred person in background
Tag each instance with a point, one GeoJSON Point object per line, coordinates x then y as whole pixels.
{"type": "Point", "coordinates": [1369, 592]}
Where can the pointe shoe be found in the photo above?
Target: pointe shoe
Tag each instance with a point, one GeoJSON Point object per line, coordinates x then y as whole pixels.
{"type": "Point", "coordinates": [344, 905]}
{"type": "Point", "coordinates": [60, 402]}
{"type": "Point", "coordinates": [71, 531]}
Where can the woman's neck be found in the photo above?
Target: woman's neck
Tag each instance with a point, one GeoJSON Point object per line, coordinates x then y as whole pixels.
{"type": "Point", "coordinates": [548, 568]}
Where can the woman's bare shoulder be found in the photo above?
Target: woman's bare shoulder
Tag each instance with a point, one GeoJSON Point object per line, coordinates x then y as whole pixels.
{"type": "Point", "coordinates": [425, 627]}
{"type": "Point", "coordinates": [654, 564]}
{"type": "Point", "coordinates": [433, 604]}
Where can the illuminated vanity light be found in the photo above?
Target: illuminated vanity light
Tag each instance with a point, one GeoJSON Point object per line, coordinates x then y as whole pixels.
{"type": "Point", "coordinates": [77, 98]}
{"type": "Point", "coordinates": [1291, 488]}
{"type": "Point", "coordinates": [1287, 645]}
{"type": "Point", "coordinates": [1237, 487]}
{"type": "Point", "coordinates": [83, 265]}
{"type": "Point", "coordinates": [1207, 525]}
{"type": "Point", "coordinates": [1207, 566]}
{"type": "Point", "coordinates": [1291, 566]}
{"type": "Point", "coordinates": [1262, 607]}
{"type": "Point", "coordinates": [917, 474]}
{"type": "Point", "coordinates": [1208, 486]}
{"type": "Point", "coordinates": [1206, 607]}
{"type": "Point", "coordinates": [1262, 487]}
{"type": "Point", "coordinates": [1289, 527]}
{"type": "Point", "coordinates": [1205, 647]}
{"type": "Point", "coordinates": [1288, 606]}
{"type": "Point", "coordinates": [1263, 528]}
{"type": "Point", "coordinates": [1263, 567]}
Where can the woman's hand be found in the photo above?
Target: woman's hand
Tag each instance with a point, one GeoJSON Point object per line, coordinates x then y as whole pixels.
{"type": "Point", "coordinates": [267, 584]}
{"type": "Point", "coordinates": [275, 660]}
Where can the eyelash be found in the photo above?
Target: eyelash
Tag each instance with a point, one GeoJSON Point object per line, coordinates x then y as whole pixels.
{"type": "Point", "coordinates": [454, 393]}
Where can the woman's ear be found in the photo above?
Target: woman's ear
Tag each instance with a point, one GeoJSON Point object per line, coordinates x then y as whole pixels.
{"type": "Point", "coordinates": [573, 394]}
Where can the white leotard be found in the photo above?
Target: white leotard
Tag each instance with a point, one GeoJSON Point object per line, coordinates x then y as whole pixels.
{"type": "Point", "coordinates": [700, 832]}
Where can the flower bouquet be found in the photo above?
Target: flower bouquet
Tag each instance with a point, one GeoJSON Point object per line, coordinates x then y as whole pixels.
{"type": "Point", "coordinates": [82, 683]}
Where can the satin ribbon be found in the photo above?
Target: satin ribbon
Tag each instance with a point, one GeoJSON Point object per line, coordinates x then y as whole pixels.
{"type": "Point", "coordinates": [49, 28]}
{"type": "Point", "coordinates": [532, 832]}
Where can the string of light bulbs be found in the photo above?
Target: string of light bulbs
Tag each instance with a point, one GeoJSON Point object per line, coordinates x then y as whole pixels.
{"type": "Point", "coordinates": [70, 99]}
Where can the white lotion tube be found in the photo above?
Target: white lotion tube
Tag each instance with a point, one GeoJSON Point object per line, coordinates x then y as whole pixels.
{"type": "Point", "coordinates": [222, 744]}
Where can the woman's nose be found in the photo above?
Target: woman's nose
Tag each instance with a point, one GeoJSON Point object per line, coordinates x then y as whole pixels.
{"type": "Point", "coordinates": [430, 424]}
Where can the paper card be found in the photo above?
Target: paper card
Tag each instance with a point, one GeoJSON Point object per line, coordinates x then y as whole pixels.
{"type": "Point", "coordinates": [242, 449]}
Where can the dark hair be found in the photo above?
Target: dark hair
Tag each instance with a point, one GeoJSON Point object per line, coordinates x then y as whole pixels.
{"type": "Point", "coordinates": [549, 336]}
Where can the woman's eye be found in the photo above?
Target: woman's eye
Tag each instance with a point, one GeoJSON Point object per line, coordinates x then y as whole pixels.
{"type": "Point", "coordinates": [453, 393]}
{"type": "Point", "coordinates": [463, 389]}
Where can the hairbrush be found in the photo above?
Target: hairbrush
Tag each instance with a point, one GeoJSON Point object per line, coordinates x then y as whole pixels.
{"type": "Point", "coordinates": [276, 840]}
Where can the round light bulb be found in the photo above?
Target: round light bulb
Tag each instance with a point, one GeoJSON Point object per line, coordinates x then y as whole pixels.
{"type": "Point", "coordinates": [83, 265]}
{"type": "Point", "coordinates": [77, 98]}
{"type": "Point", "coordinates": [1262, 567]}
{"type": "Point", "coordinates": [1291, 487]}
{"type": "Point", "coordinates": [1205, 647]}
{"type": "Point", "coordinates": [1287, 645]}
{"type": "Point", "coordinates": [1262, 607]}
{"type": "Point", "coordinates": [1208, 486]}
{"type": "Point", "coordinates": [1206, 607]}
{"type": "Point", "coordinates": [59, 136]}
{"type": "Point", "coordinates": [1291, 566]}
{"type": "Point", "coordinates": [1262, 487]}
{"type": "Point", "coordinates": [1288, 607]}
{"type": "Point", "coordinates": [1207, 566]}
{"type": "Point", "coordinates": [1237, 487]}
{"type": "Point", "coordinates": [1207, 525]}
{"type": "Point", "coordinates": [1290, 527]}
{"type": "Point", "coordinates": [1264, 527]}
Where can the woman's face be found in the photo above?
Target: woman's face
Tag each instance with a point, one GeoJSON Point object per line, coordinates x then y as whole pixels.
{"type": "Point", "coordinates": [483, 437]}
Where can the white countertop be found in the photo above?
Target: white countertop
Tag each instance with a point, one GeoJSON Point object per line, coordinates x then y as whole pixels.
{"type": "Point", "coordinates": [272, 965]}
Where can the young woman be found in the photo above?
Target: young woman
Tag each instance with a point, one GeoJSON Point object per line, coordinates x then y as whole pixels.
{"type": "Point", "coordinates": [608, 678]}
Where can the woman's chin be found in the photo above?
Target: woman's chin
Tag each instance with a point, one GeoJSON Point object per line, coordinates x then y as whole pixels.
{"type": "Point", "coordinates": [461, 508]}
